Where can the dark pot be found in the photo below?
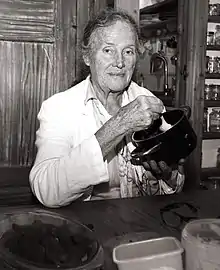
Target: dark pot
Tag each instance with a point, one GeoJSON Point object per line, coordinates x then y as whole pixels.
{"type": "Point", "coordinates": [169, 146]}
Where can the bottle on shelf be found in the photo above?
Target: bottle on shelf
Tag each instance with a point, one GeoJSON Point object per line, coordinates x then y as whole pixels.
{"type": "Point", "coordinates": [205, 120]}
{"type": "Point", "coordinates": [216, 92]}
{"type": "Point", "coordinates": [213, 10]}
{"type": "Point", "coordinates": [218, 158]}
{"type": "Point", "coordinates": [208, 92]}
{"type": "Point", "coordinates": [217, 35]}
{"type": "Point", "coordinates": [211, 38]}
{"type": "Point", "coordinates": [214, 120]}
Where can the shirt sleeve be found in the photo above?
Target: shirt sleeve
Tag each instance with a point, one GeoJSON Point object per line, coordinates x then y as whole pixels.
{"type": "Point", "coordinates": [63, 172]}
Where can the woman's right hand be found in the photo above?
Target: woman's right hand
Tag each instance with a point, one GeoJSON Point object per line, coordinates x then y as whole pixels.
{"type": "Point", "coordinates": [140, 113]}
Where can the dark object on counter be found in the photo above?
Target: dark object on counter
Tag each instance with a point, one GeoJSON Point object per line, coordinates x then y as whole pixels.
{"type": "Point", "coordinates": [169, 146]}
{"type": "Point", "coordinates": [42, 240]}
{"type": "Point", "coordinates": [177, 214]}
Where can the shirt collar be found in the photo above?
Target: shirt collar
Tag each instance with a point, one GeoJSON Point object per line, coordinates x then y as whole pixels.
{"type": "Point", "coordinates": [90, 94]}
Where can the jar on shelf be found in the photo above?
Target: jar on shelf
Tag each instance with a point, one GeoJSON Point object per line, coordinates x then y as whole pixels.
{"type": "Point", "coordinates": [213, 9]}
{"type": "Point", "coordinates": [205, 120]}
{"type": "Point", "coordinates": [214, 120]}
{"type": "Point", "coordinates": [207, 64]}
{"type": "Point", "coordinates": [217, 35]}
{"type": "Point", "coordinates": [211, 64]}
{"type": "Point", "coordinates": [208, 91]}
{"type": "Point", "coordinates": [218, 158]}
{"type": "Point", "coordinates": [211, 38]}
{"type": "Point", "coordinates": [216, 92]}
{"type": "Point", "coordinates": [216, 68]}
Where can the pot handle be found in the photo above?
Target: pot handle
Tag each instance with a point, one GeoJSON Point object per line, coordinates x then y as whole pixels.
{"type": "Point", "coordinates": [187, 110]}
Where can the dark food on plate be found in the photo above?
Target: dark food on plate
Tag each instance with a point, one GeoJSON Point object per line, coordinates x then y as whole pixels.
{"type": "Point", "coordinates": [48, 245]}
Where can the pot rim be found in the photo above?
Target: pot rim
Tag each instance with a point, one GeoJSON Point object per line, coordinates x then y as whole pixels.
{"type": "Point", "coordinates": [160, 134]}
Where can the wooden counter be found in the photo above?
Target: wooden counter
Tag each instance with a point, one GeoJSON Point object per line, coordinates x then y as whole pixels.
{"type": "Point", "coordinates": [112, 219]}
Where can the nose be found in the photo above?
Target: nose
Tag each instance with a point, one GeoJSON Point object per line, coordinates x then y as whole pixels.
{"type": "Point", "coordinates": [119, 60]}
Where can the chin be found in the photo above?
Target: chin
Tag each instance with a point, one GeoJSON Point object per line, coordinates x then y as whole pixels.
{"type": "Point", "coordinates": [118, 88]}
{"type": "Point", "coordinates": [118, 85]}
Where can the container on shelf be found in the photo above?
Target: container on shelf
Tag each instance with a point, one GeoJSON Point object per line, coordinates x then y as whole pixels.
{"type": "Point", "coordinates": [211, 38]}
{"type": "Point", "coordinates": [213, 9]}
{"type": "Point", "coordinates": [213, 64]}
{"type": "Point", "coordinates": [217, 35]}
{"type": "Point", "coordinates": [218, 159]}
{"type": "Point", "coordinates": [216, 92]}
{"type": "Point", "coordinates": [205, 120]}
{"type": "Point", "coordinates": [207, 64]}
{"type": "Point", "coordinates": [217, 64]}
{"type": "Point", "coordinates": [214, 120]}
{"type": "Point", "coordinates": [208, 91]}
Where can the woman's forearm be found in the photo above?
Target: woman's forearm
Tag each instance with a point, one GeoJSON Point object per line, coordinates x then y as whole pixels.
{"type": "Point", "coordinates": [61, 174]}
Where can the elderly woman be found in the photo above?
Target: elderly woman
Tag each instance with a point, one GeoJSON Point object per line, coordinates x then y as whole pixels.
{"type": "Point", "coordinates": [84, 142]}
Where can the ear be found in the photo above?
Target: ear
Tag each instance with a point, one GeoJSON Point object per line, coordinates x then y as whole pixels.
{"type": "Point", "coordinates": [86, 59]}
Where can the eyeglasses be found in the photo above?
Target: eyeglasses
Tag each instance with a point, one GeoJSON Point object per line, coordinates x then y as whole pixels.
{"type": "Point", "coordinates": [173, 215]}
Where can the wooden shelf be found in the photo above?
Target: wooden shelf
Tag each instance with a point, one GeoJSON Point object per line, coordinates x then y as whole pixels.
{"type": "Point", "coordinates": [209, 172]}
{"type": "Point", "coordinates": [213, 47]}
{"type": "Point", "coordinates": [214, 19]}
{"type": "Point", "coordinates": [160, 7]}
{"type": "Point", "coordinates": [158, 25]}
{"type": "Point", "coordinates": [212, 103]}
{"type": "Point", "coordinates": [212, 75]}
{"type": "Point", "coordinates": [211, 135]}
{"type": "Point", "coordinates": [161, 28]}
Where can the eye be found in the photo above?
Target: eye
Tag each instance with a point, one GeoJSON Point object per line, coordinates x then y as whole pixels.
{"type": "Point", "coordinates": [108, 50]}
{"type": "Point", "coordinates": [129, 51]}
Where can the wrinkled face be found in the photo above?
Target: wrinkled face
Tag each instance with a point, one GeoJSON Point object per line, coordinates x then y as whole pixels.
{"type": "Point", "coordinates": [113, 57]}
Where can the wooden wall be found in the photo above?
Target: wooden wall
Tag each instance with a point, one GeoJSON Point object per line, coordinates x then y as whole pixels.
{"type": "Point", "coordinates": [40, 56]}
{"type": "Point", "coordinates": [37, 54]}
{"type": "Point", "coordinates": [197, 17]}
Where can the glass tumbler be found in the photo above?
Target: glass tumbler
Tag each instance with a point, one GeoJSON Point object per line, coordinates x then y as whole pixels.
{"type": "Point", "coordinates": [201, 241]}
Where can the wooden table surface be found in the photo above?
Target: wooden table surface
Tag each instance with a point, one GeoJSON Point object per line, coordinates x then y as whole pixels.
{"type": "Point", "coordinates": [114, 221]}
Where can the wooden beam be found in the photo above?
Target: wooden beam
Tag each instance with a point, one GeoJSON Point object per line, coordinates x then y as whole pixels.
{"type": "Point", "coordinates": [195, 66]}
{"type": "Point", "coordinates": [65, 42]}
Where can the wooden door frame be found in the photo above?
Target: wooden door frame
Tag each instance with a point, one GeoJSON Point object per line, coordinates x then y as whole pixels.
{"type": "Point", "coordinates": [193, 50]}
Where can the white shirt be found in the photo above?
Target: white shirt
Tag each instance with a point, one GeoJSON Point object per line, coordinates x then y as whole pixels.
{"type": "Point", "coordinates": [69, 158]}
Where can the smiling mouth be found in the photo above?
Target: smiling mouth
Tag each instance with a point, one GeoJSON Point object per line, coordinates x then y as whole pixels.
{"type": "Point", "coordinates": [117, 74]}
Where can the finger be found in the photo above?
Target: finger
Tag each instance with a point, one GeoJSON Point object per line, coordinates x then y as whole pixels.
{"type": "Point", "coordinates": [151, 102]}
{"type": "Point", "coordinates": [151, 99]}
{"type": "Point", "coordinates": [155, 116]}
{"type": "Point", "coordinates": [157, 108]}
{"type": "Point", "coordinates": [154, 167]}
{"type": "Point", "coordinates": [166, 170]}
{"type": "Point", "coordinates": [146, 165]}
{"type": "Point", "coordinates": [164, 167]}
{"type": "Point", "coordinates": [181, 166]}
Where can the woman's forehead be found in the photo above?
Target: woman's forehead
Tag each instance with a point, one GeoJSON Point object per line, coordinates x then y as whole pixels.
{"type": "Point", "coordinates": [117, 32]}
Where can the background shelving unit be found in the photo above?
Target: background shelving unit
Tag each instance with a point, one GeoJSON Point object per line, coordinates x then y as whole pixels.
{"type": "Point", "coordinates": [157, 17]}
{"type": "Point", "coordinates": [211, 171]}
{"type": "Point", "coordinates": [159, 21]}
{"type": "Point", "coordinates": [211, 135]}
